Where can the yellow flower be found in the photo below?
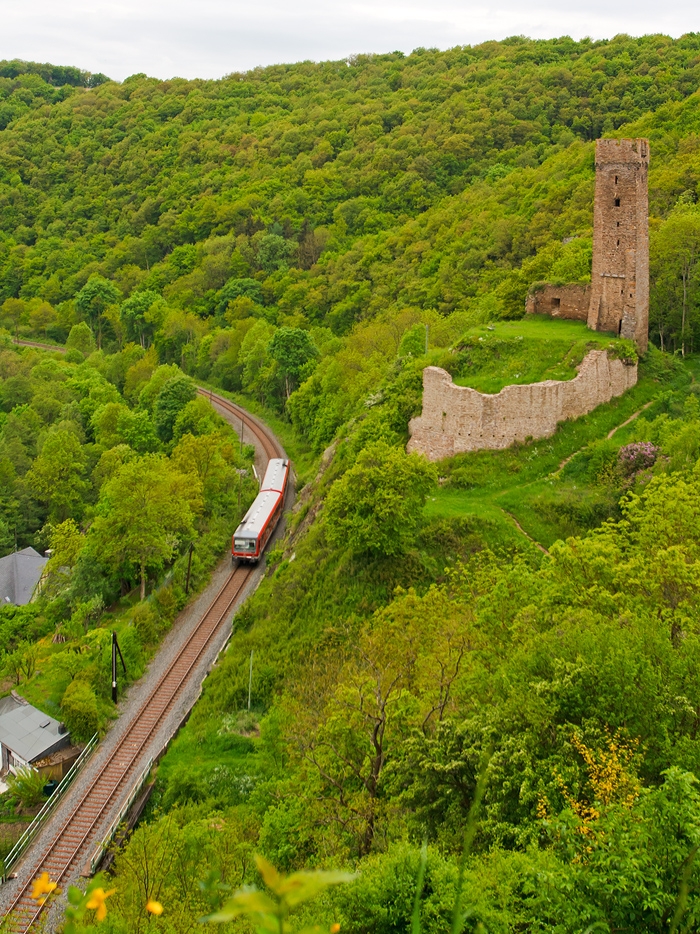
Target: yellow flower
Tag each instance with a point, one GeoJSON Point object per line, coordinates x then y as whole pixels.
{"type": "Point", "coordinates": [154, 907]}
{"type": "Point", "coordinates": [335, 928]}
{"type": "Point", "coordinates": [98, 897]}
{"type": "Point", "coordinates": [42, 887]}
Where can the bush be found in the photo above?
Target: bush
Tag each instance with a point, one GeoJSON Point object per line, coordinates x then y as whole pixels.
{"type": "Point", "coordinates": [80, 711]}
{"type": "Point", "coordinates": [27, 786]}
{"type": "Point", "coordinates": [381, 900]}
{"type": "Point", "coordinates": [168, 601]}
{"type": "Point", "coordinates": [146, 622]}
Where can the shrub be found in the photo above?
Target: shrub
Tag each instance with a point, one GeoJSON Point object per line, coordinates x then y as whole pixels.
{"type": "Point", "coordinates": [168, 601]}
{"type": "Point", "coordinates": [146, 622]}
{"type": "Point", "coordinates": [637, 456]}
{"type": "Point", "coordinates": [80, 711]}
{"type": "Point", "coordinates": [27, 786]}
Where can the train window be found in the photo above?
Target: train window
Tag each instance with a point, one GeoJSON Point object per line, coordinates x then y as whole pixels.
{"type": "Point", "coordinates": [244, 544]}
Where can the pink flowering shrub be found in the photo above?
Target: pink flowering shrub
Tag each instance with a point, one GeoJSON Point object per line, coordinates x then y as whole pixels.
{"type": "Point", "coordinates": [633, 458]}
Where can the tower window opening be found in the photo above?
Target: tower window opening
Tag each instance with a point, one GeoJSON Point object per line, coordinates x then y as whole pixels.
{"type": "Point", "coordinates": [556, 302]}
{"type": "Point", "coordinates": [616, 179]}
{"type": "Point", "coordinates": [618, 223]}
{"type": "Point", "coordinates": [619, 327]}
{"type": "Point", "coordinates": [617, 202]}
{"type": "Point", "coordinates": [618, 242]}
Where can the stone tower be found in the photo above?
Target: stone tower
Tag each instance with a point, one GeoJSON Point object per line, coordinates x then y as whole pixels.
{"type": "Point", "coordinates": [620, 274]}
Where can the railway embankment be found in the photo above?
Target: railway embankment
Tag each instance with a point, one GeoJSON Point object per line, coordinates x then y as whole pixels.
{"type": "Point", "coordinates": [149, 715]}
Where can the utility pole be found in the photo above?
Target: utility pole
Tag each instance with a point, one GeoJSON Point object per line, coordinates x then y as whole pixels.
{"type": "Point", "coordinates": [241, 447]}
{"type": "Point", "coordinates": [250, 678]}
{"type": "Point", "coordinates": [189, 568]}
{"type": "Point", "coordinates": [115, 649]}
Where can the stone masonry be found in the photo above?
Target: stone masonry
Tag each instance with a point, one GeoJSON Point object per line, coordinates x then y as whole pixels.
{"type": "Point", "coordinates": [457, 419]}
{"type": "Point", "coordinates": [560, 301]}
{"type": "Point", "coordinates": [620, 274]}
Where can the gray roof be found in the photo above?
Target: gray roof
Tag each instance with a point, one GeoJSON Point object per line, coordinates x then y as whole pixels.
{"type": "Point", "coordinates": [9, 702]}
{"type": "Point", "coordinates": [31, 734]}
{"type": "Point", "coordinates": [20, 572]}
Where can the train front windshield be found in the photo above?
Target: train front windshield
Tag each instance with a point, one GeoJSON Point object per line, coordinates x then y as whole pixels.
{"type": "Point", "coordinates": [244, 545]}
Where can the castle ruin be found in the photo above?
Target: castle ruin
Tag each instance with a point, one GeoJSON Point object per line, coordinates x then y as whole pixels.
{"type": "Point", "coordinates": [457, 419]}
{"type": "Point", "coordinates": [620, 274]}
{"type": "Point", "coordinates": [617, 300]}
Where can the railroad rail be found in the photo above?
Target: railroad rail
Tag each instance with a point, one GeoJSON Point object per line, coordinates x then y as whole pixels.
{"type": "Point", "coordinates": [73, 842]}
{"type": "Point", "coordinates": [269, 443]}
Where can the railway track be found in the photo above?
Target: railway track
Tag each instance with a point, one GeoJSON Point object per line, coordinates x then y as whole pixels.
{"type": "Point", "coordinates": [65, 853]}
{"type": "Point", "coordinates": [269, 443]}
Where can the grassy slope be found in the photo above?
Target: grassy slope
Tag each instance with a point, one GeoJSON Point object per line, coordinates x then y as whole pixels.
{"type": "Point", "coordinates": [533, 349]}
{"type": "Point", "coordinates": [519, 481]}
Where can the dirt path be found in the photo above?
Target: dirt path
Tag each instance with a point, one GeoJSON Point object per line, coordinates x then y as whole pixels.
{"type": "Point", "coordinates": [522, 530]}
{"type": "Point", "coordinates": [630, 419]}
{"type": "Point", "coordinates": [609, 434]}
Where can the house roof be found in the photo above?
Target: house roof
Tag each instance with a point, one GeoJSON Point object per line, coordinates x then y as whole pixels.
{"type": "Point", "coordinates": [10, 702]}
{"type": "Point", "coordinates": [31, 734]}
{"type": "Point", "coordinates": [20, 572]}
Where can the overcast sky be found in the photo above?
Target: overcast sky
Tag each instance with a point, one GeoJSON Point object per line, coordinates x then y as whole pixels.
{"type": "Point", "coordinates": [210, 38]}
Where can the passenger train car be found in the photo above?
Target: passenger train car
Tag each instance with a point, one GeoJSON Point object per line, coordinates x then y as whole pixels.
{"type": "Point", "coordinates": [259, 522]}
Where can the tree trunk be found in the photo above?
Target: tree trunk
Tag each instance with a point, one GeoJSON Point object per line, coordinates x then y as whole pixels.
{"type": "Point", "coordinates": [685, 301]}
{"type": "Point", "coordinates": [143, 581]}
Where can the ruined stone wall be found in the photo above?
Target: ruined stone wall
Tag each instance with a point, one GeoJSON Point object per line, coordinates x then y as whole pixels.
{"type": "Point", "coordinates": [560, 301]}
{"type": "Point", "coordinates": [456, 418]}
{"type": "Point", "coordinates": [620, 274]}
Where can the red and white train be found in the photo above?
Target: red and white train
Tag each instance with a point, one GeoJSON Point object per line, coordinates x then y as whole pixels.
{"type": "Point", "coordinates": [259, 522]}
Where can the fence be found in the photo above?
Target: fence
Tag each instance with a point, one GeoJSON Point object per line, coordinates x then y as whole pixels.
{"type": "Point", "coordinates": [18, 849]}
{"type": "Point", "coordinates": [99, 852]}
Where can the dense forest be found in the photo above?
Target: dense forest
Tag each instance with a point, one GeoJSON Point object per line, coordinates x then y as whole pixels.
{"type": "Point", "coordinates": [120, 467]}
{"type": "Point", "coordinates": [516, 628]}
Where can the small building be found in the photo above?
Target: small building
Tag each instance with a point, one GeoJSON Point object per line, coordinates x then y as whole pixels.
{"type": "Point", "coordinates": [27, 735]}
{"type": "Point", "coordinates": [20, 574]}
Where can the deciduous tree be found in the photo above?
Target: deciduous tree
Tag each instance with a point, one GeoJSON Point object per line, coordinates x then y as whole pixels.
{"type": "Point", "coordinates": [93, 300]}
{"type": "Point", "coordinates": [57, 476]}
{"type": "Point", "coordinates": [145, 509]}
{"type": "Point", "coordinates": [376, 506]}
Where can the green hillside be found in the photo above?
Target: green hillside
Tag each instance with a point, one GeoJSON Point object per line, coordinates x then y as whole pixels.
{"type": "Point", "coordinates": [520, 622]}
